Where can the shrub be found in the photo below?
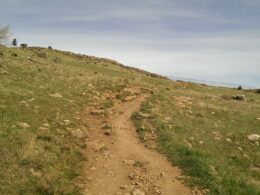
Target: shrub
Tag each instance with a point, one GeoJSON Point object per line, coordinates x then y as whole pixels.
{"type": "Point", "coordinates": [257, 90]}
{"type": "Point", "coordinates": [239, 87]}
{"type": "Point", "coordinates": [23, 45]}
{"type": "Point", "coordinates": [42, 55]}
{"type": "Point", "coordinates": [49, 47]}
{"type": "Point", "coordinates": [14, 54]}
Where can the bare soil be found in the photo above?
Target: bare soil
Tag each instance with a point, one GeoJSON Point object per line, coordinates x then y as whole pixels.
{"type": "Point", "coordinates": [118, 163]}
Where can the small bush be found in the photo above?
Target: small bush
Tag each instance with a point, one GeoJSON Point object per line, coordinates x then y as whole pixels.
{"type": "Point", "coordinates": [257, 91]}
{"type": "Point", "coordinates": [49, 47]}
{"type": "Point", "coordinates": [42, 55]}
{"type": "Point", "coordinates": [239, 87]}
{"type": "Point", "coordinates": [23, 45]}
{"type": "Point", "coordinates": [14, 54]}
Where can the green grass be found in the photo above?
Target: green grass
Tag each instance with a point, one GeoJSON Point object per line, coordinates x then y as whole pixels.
{"type": "Point", "coordinates": [28, 81]}
{"type": "Point", "coordinates": [205, 135]}
{"type": "Point", "coordinates": [199, 128]}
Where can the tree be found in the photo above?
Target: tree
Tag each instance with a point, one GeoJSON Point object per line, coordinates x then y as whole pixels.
{"type": "Point", "coordinates": [4, 33]}
{"type": "Point", "coordinates": [14, 43]}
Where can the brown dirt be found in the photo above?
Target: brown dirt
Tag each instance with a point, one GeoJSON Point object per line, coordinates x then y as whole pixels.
{"type": "Point", "coordinates": [118, 163]}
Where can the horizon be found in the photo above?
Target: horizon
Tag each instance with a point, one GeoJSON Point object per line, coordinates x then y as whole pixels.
{"type": "Point", "coordinates": [203, 40]}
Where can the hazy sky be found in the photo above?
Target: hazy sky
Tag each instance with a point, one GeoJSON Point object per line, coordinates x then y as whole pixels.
{"type": "Point", "coordinates": [202, 39]}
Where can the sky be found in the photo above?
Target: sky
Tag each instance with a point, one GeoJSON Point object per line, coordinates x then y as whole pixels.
{"type": "Point", "coordinates": [215, 40]}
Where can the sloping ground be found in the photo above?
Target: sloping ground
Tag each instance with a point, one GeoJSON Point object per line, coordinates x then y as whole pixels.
{"type": "Point", "coordinates": [43, 130]}
{"type": "Point", "coordinates": [118, 162]}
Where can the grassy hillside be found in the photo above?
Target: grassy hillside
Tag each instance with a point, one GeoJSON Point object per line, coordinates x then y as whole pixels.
{"type": "Point", "coordinates": [201, 129]}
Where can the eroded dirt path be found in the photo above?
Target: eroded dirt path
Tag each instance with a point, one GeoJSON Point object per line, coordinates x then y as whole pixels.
{"type": "Point", "coordinates": [118, 163]}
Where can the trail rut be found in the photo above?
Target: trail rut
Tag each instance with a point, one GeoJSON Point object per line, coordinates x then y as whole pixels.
{"type": "Point", "coordinates": [118, 163]}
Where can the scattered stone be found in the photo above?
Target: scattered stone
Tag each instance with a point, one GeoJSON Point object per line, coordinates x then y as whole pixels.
{"type": "Point", "coordinates": [144, 115]}
{"type": "Point", "coordinates": [77, 133]}
{"type": "Point", "coordinates": [99, 146]}
{"type": "Point", "coordinates": [129, 98]}
{"type": "Point", "coordinates": [253, 137]}
{"type": "Point", "coordinates": [35, 173]}
{"type": "Point", "coordinates": [131, 176]}
{"type": "Point", "coordinates": [56, 95]}
{"type": "Point", "coordinates": [97, 112]}
{"type": "Point", "coordinates": [228, 140]}
{"type": "Point", "coordinates": [105, 126]}
{"type": "Point", "coordinates": [241, 149]}
{"type": "Point", "coordinates": [123, 187]}
{"type": "Point", "coordinates": [66, 122]}
{"type": "Point", "coordinates": [31, 100]}
{"type": "Point", "coordinates": [107, 132]}
{"type": "Point", "coordinates": [255, 169]}
{"type": "Point", "coordinates": [24, 103]}
{"type": "Point", "coordinates": [43, 129]}
{"type": "Point", "coordinates": [24, 125]}
{"type": "Point", "coordinates": [138, 192]}
{"type": "Point", "coordinates": [246, 156]}
{"type": "Point", "coordinates": [129, 162]}
{"type": "Point", "coordinates": [239, 97]}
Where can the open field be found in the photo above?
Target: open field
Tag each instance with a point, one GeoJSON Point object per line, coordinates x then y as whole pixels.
{"type": "Point", "coordinates": [201, 129]}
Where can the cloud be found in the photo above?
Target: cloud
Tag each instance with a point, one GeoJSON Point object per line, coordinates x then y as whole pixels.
{"type": "Point", "coordinates": [192, 38]}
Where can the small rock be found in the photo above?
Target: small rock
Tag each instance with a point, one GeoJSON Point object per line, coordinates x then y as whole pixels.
{"type": "Point", "coordinates": [66, 122]}
{"type": "Point", "coordinates": [131, 176]}
{"type": "Point", "coordinates": [228, 140]}
{"type": "Point", "coordinates": [56, 95]}
{"type": "Point", "coordinates": [129, 98]}
{"type": "Point", "coordinates": [144, 115]}
{"type": "Point", "coordinates": [258, 119]}
{"type": "Point", "coordinates": [99, 146]}
{"type": "Point", "coordinates": [253, 137]}
{"type": "Point", "coordinates": [35, 173]}
{"type": "Point", "coordinates": [105, 126]}
{"type": "Point", "coordinates": [78, 134]}
{"type": "Point", "coordinates": [123, 187]}
{"type": "Point", "coordinates": [239, 97]}
{"type": "Point", "coordinates": [129, 162]}
{"type": "Point", "coordinates": [107, 132]}
{"type": "Point", "coordinates": [201, 142]}
{"type": "Point", "coordinates": [138, 192]}
{"type": "Point", "coordinates": [24, 103]}
{"type": "Point", "coordinates": [24, 125]}
{"type": "Point", "coordinates": [97, 112]}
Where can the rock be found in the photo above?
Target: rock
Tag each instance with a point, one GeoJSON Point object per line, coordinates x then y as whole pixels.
{"type": "Point", "coordinates": [201, 142]}
{"type": "Point", "coordinates": [43, 129]}
{"type": "Point", "coordinates": [138, 192]}
{"type": "Point", "coordinates": [253, 137]}
{"type": "Point", "coordinates": [66, 122]}
{"type": "Point", "coordinates": [98, 112]}
{"type": "Point", "coordinates": [129, 162]}
{"type": "Point", "coordinates": [56, 95]}
{"type": "Point", "coordinates": [228, 140]}
{"type": "Point", "coordinates": [105, 126]}
{"type": "Point", "coordinates": [123, 187]}
{"type": "Point", "coordinates": [144, 115]}
{"type": "Point", "coordinates": [24, 125]}
{"type": "Point", "coordinates": [31, 100]}
{"type": "Point", "coordinates": [107, 132]}
{"type": "Point", "coordinates": [131, 176]}
{"type": "Point", "coordinates": [24, 103]}
{"type": "Point", "coordinates": [258, 119]}
{"type": "Point", "coordinates": [239, 97]}
{"type": "Point", "coordinates": [99, 146]}
{"type": "Point", "coordinates": [77, 133]}
{"type": "Point", "coordinates": [35, 173]}
{"type": "Point", "coordinates": [129, 98]}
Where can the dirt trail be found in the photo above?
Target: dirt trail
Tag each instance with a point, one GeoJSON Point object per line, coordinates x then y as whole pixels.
{"type": "Point", "coordinates": [118, 164]}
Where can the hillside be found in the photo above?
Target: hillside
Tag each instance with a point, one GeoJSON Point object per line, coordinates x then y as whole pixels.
{"type": "Point", "coordinates": [54, 105]}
